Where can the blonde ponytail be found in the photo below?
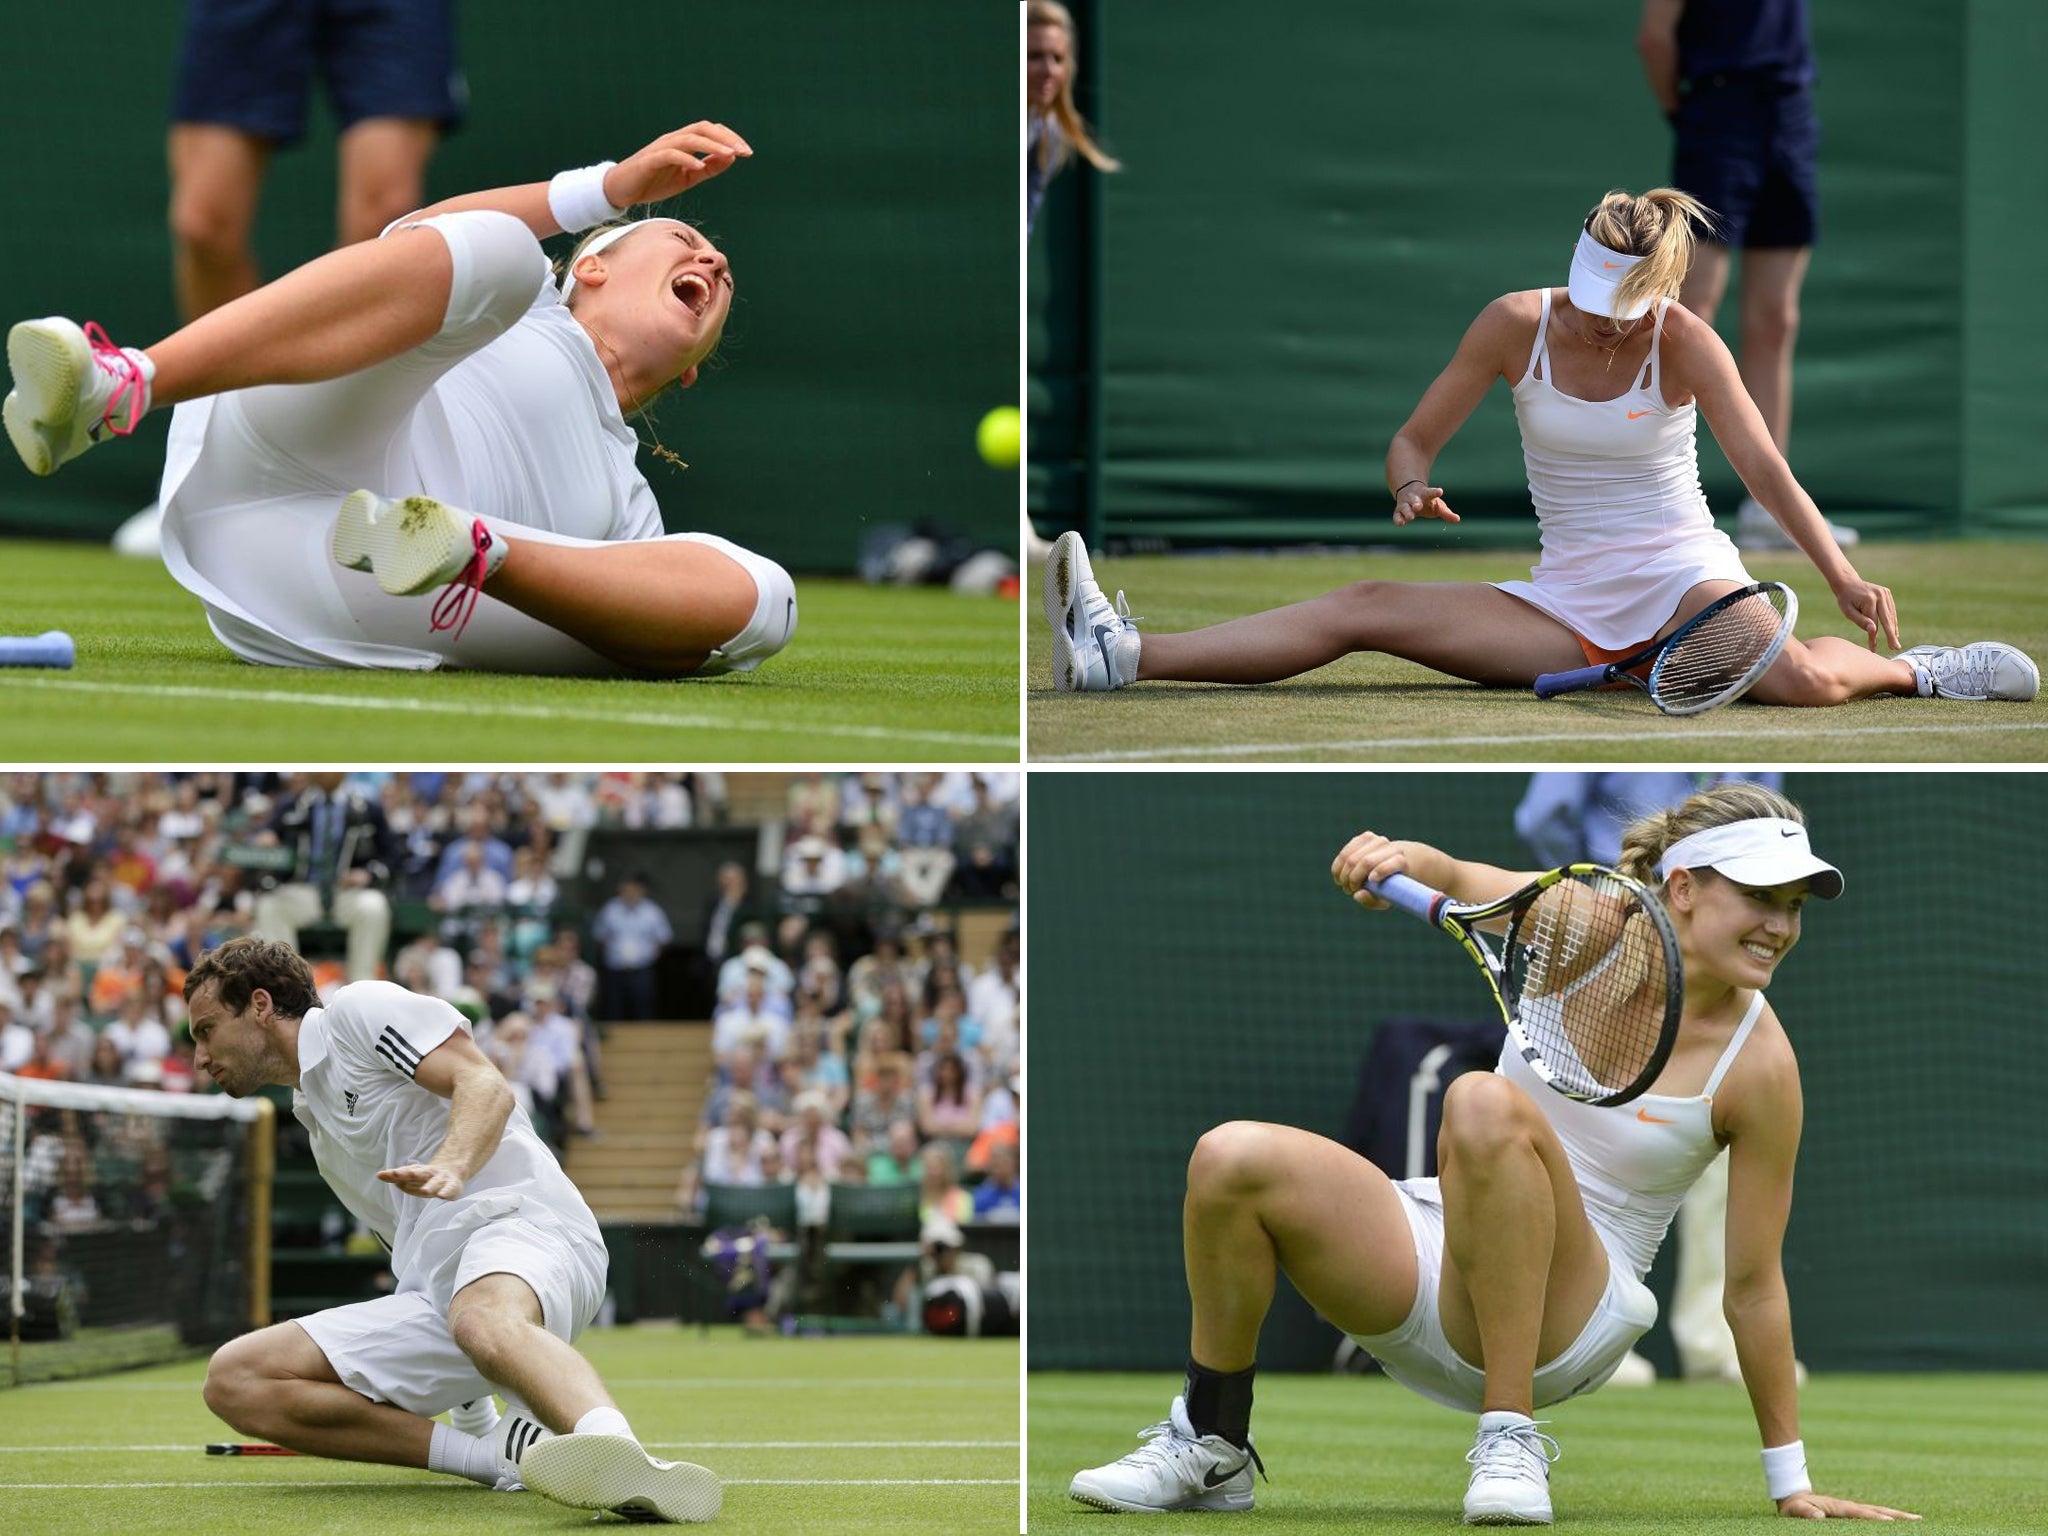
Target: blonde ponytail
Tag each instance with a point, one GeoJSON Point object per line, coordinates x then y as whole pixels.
{"type": "Point", "coordinates": [1657, 225]}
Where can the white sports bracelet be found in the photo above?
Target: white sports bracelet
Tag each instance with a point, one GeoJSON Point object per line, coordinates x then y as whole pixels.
{"type": "Point", "coordinates": [1785, 1470]}
{"type": "Point", "coordinates": [577, 200]}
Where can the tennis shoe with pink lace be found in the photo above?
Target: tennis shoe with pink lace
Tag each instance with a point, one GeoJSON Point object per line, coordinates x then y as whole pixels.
{"type": "Point", "coordinates": [73, 388]}
{"type": "Point", "coordinates": [413, 544]}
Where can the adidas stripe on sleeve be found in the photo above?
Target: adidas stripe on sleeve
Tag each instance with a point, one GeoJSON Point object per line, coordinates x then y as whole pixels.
{"type": "Point", "coordinates": [397, 1027]}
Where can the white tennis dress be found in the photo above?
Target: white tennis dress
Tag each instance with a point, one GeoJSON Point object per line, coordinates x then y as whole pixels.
{"type": "Point", "coordinates": [518, 1214]}
{"type": "Point", "coordinates": [1634, 1164]}
{"type": "Point", "coordinates": [1616, 485]}
{"type": "Point", "coordinates": [506, 412]}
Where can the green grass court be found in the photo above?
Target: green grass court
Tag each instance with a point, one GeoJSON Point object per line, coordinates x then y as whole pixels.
{"type": "Point", "coordinates": [896, 1435]}
{"type": "Point", "coordinates": [875, 674]}
{"type": "Point", "coordinates": [1356, 1455]}
{"type": "Point", "coordinates": [1378, 709]}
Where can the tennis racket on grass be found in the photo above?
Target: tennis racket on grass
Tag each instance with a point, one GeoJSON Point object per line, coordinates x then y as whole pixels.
{"type": "Point", "coordinates": [1584, 966]}
{"type": "Point", "coordinates": [1712, 658]}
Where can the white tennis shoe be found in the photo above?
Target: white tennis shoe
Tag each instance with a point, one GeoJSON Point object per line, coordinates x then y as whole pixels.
{"type": "Point", "coordinates": [1981, 670]}
{"type": "Point", "coordinates": [517, 1433]}
{"type": "Point", "coordinates": [1094, 642]}
{"type": "Point", "coordinates": [1174, 1469]}
{"type": "Point", "coordinates": [73, 388]}
{"type": "Point", "coordinates": [612, 1472]}
{"type": "Point", "coordinates": [1510, 1472]}
{"type": "Point", "coordinates": [411, 545]}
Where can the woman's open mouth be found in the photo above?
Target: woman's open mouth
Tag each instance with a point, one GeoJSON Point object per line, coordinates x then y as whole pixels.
{"type": "Point", "coordinates": [693, 292]}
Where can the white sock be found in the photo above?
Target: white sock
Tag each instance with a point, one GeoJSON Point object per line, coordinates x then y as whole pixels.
{"type": "Point", "coordinates": [1923, 681]}
{"type": "Point", "coordinates": [478, 1418]}
{"type": "Point", "coordinates": [463, 1455]}
{"type": "Point", "coordinates": [605, 1421]}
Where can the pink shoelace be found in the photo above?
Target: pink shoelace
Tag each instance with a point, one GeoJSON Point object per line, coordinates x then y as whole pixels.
{"type": "Point", "coordinates": [458, 599]}
{"type": "Point", "coordinates": [131, 395]}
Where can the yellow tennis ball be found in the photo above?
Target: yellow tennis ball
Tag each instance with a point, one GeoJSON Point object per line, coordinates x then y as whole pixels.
{"type": "Point", "coordinates": [1000, 436]}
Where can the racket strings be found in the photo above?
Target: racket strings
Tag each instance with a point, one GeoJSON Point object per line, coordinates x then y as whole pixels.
{"type": "Point", "coordinates": [1588, 976]}
{"type": "Point", "coordinates": [1721, 653]}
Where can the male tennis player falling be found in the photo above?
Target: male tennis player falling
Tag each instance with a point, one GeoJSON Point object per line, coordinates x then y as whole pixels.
{"type": "Point", "coordinates": [1608, 396]}
{"type": "Point", "coordinates": [1513, 1280]}
{"type": "Point", "coordinates": [498, 1260]}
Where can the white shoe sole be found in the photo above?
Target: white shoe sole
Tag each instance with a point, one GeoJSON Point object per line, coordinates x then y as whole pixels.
{"type": "Point", "coordinates": [1215, 1503]}
{"type": "Point", "coordinates": [412, 545]}
{"type": "Point", "coordinates": [1507, 1517]}
{"type": "Point", "coordinates": [49, 362]}
{"type": "Point", "coordinates": [1062, 592]}
{"type": "Point", "coordinates": [612, 1472]}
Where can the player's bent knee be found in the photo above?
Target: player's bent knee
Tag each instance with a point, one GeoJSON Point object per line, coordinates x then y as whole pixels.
{"type": "Point", "coordinates": [1229, 1158]}
{"type": "Point", "coordinates": [233, 1389]}
{"type": "Point", "coordinates": [1484, 1114]}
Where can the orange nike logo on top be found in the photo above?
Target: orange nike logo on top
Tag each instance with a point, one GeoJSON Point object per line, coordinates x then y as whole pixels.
{"type": "Point", "coordinates": [1645, 1115]}
{"type": "Point", "coordinates": [1632, 415]}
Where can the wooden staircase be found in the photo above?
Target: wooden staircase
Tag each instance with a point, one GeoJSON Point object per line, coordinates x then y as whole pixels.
{"type": "Point", "coordinates": [658, 1076]}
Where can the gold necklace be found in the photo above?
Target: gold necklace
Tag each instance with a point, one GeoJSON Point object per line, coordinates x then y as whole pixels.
{"type": "Point", "coordinates": [657, 448]}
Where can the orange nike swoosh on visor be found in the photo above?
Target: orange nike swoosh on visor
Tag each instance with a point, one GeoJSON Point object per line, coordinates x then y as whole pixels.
{"type": "Point", "coordinates": [1632, 415]}
{"type": "Point", "coordinates": [1612, 266]}
{"type": "Point", "coordinates": [1646, 1116]}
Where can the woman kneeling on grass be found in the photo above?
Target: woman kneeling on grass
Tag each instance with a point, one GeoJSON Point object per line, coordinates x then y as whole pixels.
{"type": "Point", "coordinates": [1608, 396]}
{"type": "Point", "coordinates": [1513, 1280]}
{"type": "Point", "coordinates": [441, 367]}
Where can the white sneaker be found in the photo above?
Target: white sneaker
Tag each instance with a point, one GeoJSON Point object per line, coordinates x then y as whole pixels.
{"type": "Point", "coordinates": [410, 545]}
{"type": "Point", "coordinates": [517, 1433]}
{"type": "Point", "coordinates": [141, 537]}
{"type": "Point", "coordinates": [1174, 1469]}
{"type": "Point", "coordinates": [72, 388]}
{"type": "Point", "coordinates": [1981, 670]}
{"type": "Point", "coordinates": [1510, 1472]}
{"type": "Point", "coordinates": [1757, 529]}
{"type": "Point", "coordinates": [1094, 643]}
{"type": "Point", "coordinates": [612, 1472]}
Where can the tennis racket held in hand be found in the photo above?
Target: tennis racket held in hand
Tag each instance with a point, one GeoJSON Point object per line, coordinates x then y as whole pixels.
{"type": "Point", "coordinates": [1584, 966]}
{"type": "Point", "coordinates": [1714, 657]}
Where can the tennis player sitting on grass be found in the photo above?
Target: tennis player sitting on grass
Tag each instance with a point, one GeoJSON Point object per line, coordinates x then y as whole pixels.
{"type": "Point", "coordinates": [1513, 1280]}
{"type": "Point", "coordinates": [1609, 377]}
{"type": "Point", "coordinates": [498, 1260]}
{"type": "Point", "coordinates": [483, 409]}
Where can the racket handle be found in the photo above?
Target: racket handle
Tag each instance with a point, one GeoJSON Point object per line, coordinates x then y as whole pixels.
{"type": "Point", "coordinates": [1551, 684]}
{"type": "Point", "coordinates": [50, 649]}
{"type": "Point", "coordinates": [1409, 895]}
{"type": "Point", "coordinates": [247, 1449]}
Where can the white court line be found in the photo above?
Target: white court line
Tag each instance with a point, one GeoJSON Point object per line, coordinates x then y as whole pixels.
{"type": "Point", "coordinates": [1154, 754]}
{"type": "Point", "coordinates": [511, 711]}
{"type": "Point", "coordinates": [659, 1445]}
{"type": "Point", "coordinates": [724, 1383]}
{"type": "Point", "coordinates": [457, 1487]}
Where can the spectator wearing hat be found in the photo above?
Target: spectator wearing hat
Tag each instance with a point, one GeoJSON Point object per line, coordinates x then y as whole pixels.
{"type": "Point", "coordinates": [341, 864]}
{"type": "Point", "coordinates": [754, 955]}
{"type": "Point", "coordinates": [813, 869]}
{"type": "Point", "coordinates": [631, 932]}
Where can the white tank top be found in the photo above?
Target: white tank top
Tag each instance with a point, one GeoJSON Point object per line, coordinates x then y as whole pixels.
{"type": "Point", "coordinates": [1616, 487]}
{"type": "Point", "coordinates": [1635, 1161]}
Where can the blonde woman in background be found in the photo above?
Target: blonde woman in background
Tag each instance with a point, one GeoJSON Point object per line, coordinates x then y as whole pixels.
{"type": "Point", "coordinates": [1609, 378]}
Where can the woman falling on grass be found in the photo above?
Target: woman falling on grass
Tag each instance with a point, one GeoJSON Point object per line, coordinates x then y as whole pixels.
{"type": "Point", "coordinates": [1514, 1279]}
{"type": "Point", "coordinates": [1609, 378]}
{"type": "Point", "coordinates": [485, 411]}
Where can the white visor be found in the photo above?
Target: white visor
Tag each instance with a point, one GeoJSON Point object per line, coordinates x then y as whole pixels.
{"type": "Point", "coordinates": [610, 237]}
{"type": "Point", "coordinates": [1596, 273]}
{"type": "Point", "coordinates": [1761, 852]}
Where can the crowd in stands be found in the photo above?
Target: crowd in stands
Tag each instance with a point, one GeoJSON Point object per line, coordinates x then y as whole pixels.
{"type": "Point", "coordinates": [852, 1044]}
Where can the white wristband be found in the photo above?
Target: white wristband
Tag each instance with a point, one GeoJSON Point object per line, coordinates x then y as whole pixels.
{"type": "Point", "coordinates": [1785, 1470]}
{"type": "Point", "coordinates": [577, 200]}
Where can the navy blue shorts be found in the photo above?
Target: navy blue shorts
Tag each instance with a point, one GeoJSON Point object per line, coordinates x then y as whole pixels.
{"type": "Point", "coordinates": [249, 64]}
{"type": "Point", "coordinates": [1747, 149]}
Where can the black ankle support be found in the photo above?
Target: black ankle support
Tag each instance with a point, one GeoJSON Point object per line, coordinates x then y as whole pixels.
{"type": "Point", "coordinates": [1220, 1402]}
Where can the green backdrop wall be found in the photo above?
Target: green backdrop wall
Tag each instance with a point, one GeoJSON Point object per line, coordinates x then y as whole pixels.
{"type": "Point", "coordinates": [1217, 975]}
{"type": "Point", "coordinates": [1316, 203]}
{"type": "Point", "coordinates": [873, 234]}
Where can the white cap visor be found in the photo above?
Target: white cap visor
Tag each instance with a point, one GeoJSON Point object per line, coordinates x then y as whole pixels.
{"type": "Point", "coordinates": [1596, 273]}
{"type": "Point", "coordinates": [1762, 852]}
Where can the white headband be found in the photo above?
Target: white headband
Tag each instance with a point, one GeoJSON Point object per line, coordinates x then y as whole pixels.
{"type": "Point", "coordinates": [1596, 273]}
{"type": "Point", "coordinates": [609, 237]}
{"type": "Point", "coordinates": [1766, 850]}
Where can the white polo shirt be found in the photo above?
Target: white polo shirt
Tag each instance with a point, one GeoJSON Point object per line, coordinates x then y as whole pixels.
{"type": "Point", "coordinates": [358, 1099]}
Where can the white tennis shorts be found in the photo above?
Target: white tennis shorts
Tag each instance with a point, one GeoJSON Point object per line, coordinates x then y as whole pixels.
{"type": "Point", "coordinates": [1417, 1354]}
{"type": "Point", "coordinates": [397, 1349]}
